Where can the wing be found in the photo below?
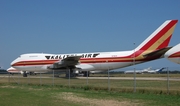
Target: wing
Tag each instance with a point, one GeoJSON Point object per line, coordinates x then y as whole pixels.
{"type": "Point", "coordinates": [68, 62]}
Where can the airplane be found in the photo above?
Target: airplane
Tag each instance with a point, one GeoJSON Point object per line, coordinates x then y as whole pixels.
{"type": "Point", "coordinates": [155, 71]}
{"type": "Point", "coordinates": [147, 70]}
{"type": "Point", "coordinates": [150, 49]}
{"type": "Point", "coordinates": [137, 71]}
{"type": "Point", "coordinates": [12, 71]}
{"type": "Point", "coordinates": [174, 54]}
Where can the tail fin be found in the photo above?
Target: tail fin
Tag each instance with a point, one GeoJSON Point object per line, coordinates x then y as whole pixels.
{"type": "Point", "coordinates": [160, 70]}
{"type": "Point", "coordinates": [159, 38]}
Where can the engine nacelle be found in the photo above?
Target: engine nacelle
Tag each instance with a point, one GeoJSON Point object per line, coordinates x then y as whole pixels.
{"type": "Point", "coordinates": [85, 67]}
{"type": "Point", "coordinates": [77, 71]}
{"type": "Point", "coordinates": [21, 72]}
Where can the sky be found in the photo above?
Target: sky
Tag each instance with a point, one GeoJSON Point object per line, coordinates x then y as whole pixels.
{"type": "Point", "coordinates": [76, 26]}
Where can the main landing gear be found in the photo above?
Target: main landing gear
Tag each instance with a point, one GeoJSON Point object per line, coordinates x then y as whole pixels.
{"type": "Point", "coordinates": [70, 73]}
{"type": "Point", "coordinates": [86, 74]}
{"type": "Point", "coordinates": [24, 74]}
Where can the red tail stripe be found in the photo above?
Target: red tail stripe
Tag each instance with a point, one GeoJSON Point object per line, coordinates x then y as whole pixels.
{"type": "Point", "coordinates": [155, 38]}
{"type": "Point", "coordinates": [165, 43]}
{"type": "Point", "coordinates": [159, 35]}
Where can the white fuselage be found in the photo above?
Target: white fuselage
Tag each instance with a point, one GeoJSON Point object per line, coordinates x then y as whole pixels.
{"type": "Point", "coordinates": [88, 62]}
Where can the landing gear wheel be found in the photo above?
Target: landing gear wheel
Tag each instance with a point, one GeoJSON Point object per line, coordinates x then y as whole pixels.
{"type": "Point", "coordinates": [24, 74]}
{"type": "Point", "coordinates": [71, 73]}
{"type": "Point", "coordinates": [86, 74]}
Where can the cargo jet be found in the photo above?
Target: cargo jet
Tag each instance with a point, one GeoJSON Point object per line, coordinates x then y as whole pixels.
{"type": "Point", "coordinates": [174, 54]}
{"type": "Point", "coordinates": [151, 48]}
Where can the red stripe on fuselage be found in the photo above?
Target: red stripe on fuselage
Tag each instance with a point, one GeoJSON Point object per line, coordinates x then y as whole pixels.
{"type": "Point", "coordinates": [175, 55]}
{"type": "Point", "coordinates": [83, 60]}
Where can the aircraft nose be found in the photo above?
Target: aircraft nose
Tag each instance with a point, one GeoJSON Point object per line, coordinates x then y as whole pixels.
{"type": "Point", "coordinates": [13, 62]}
{"type": "Point", "coordinates": [167, 54]}
{"type": "Point", "coordinates": [8, 70]}
{"type": "Point", "coordinates": [174, 57]}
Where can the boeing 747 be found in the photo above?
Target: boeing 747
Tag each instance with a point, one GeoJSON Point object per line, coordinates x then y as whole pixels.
{"type": "Point", "coordinates": [150, 49]}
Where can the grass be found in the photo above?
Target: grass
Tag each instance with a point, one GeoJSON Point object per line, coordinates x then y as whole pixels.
{"type": "Point", "coordinates": [33, 91]}
{"type": "Point", "coordinates": [157, 87]}
{"type": "Point", "coordinates": [46, 95]}
{"type": "Point", "coordinates": [27, 96]}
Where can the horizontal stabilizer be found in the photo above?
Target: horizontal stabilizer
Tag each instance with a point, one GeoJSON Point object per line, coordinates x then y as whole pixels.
{"type": "Point", "coordinates": [159, 52]}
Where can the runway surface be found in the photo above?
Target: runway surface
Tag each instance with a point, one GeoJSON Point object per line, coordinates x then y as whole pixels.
{"type": "Point", "coordinates": [101, 78]}
{"type": "Point", "coordinates": [132, 78]}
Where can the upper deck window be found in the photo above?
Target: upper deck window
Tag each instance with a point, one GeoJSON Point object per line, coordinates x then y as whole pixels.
{"type": "Point", "coordinates": [33, 56]}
